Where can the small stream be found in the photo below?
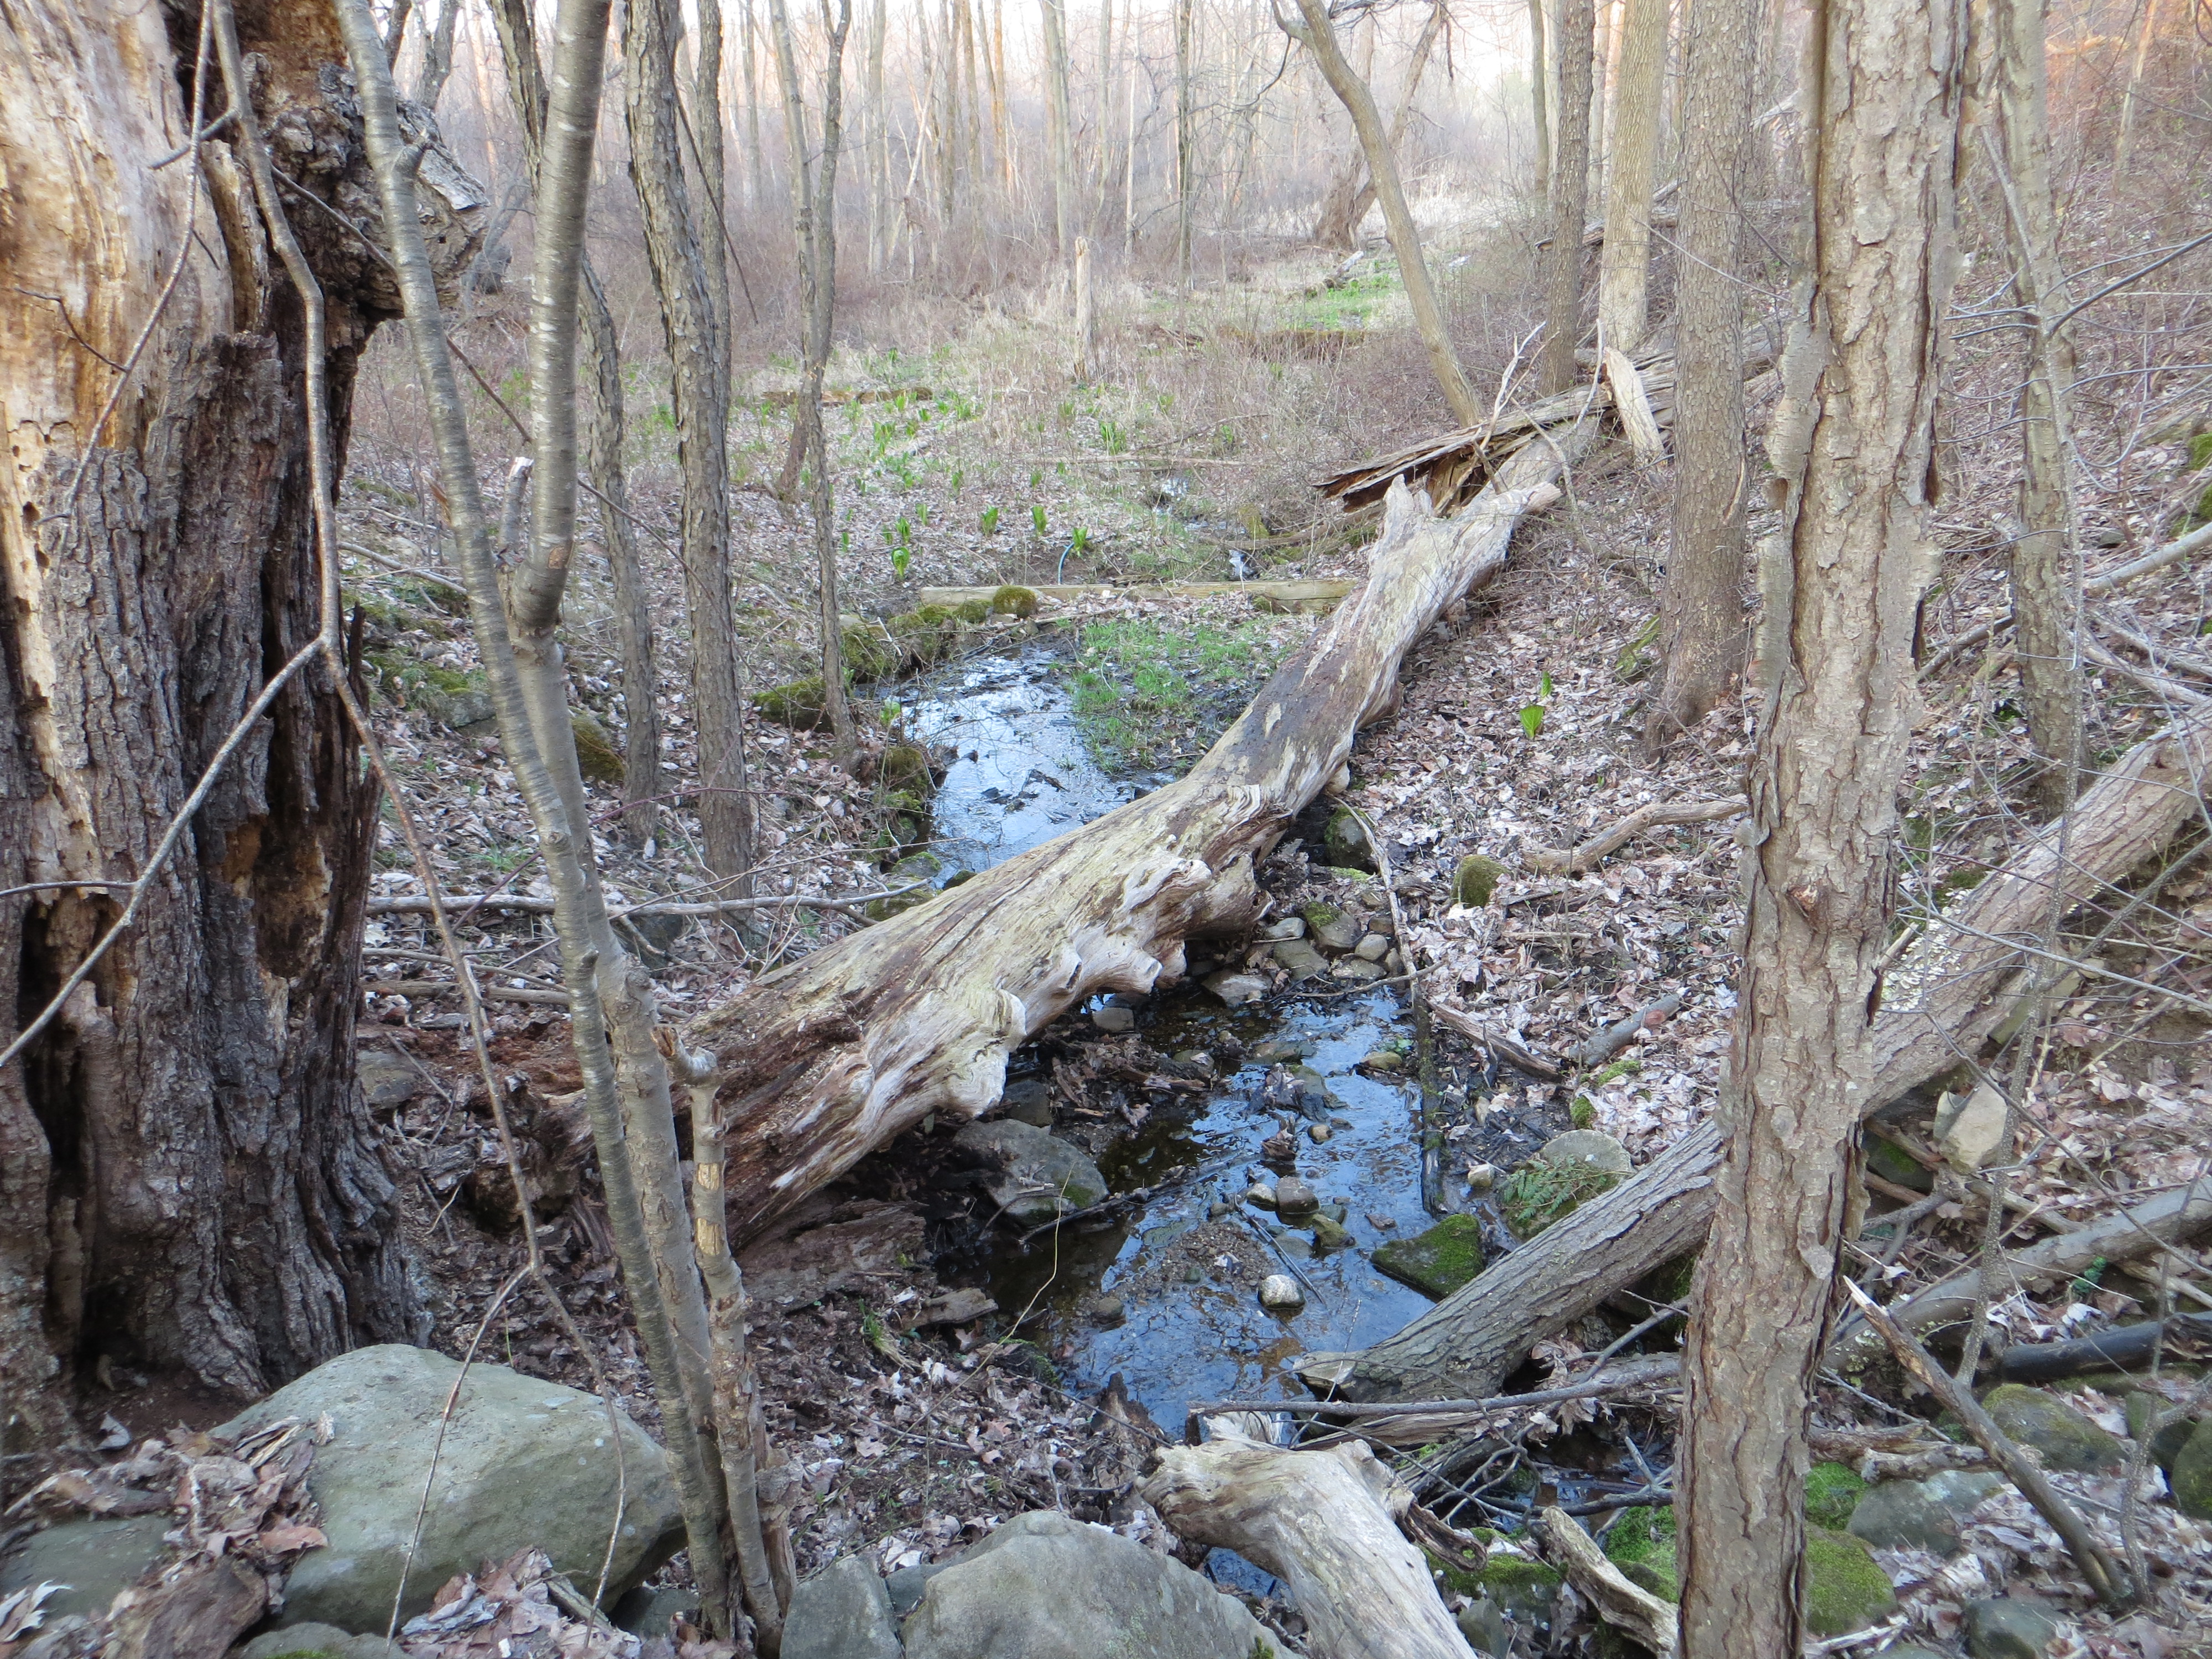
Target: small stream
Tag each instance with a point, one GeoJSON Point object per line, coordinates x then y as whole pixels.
{"type": "Point", "coordinates": [1189, 1324]}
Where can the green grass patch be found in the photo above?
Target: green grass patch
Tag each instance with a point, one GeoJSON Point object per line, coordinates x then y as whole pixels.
{"type": "Point", "coordinates": [1146, 693]}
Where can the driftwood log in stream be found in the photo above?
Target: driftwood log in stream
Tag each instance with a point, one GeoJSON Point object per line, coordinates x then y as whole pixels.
{"type": "Point", "coordinates": [1947, 996]}
{"type": "Point", "coordinates": [1326, 1523]}
{"type": "Point", "coordinates": [917, 1014]}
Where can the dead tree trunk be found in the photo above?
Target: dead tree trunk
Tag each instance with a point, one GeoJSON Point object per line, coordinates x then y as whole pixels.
{"type": "Point", "coordinates": [1633, 158]}
{"type": "Point", "coordinates": [190, 1181]}
{"type": "Point", "coordinates": [1942, 999]}
{"type": "Point", "coordinates": [917, 1014]}
{"type": "Point", "coordinates": [1325, 1522]}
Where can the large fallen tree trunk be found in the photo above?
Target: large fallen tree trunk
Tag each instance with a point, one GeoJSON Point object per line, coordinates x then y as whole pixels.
{"type": "Point", "coordinates": [1945, 998]}
{"type": "Point", "coordinates": [1322, 1521]}
{"type": "Point", "coordinates": [917, 1014]}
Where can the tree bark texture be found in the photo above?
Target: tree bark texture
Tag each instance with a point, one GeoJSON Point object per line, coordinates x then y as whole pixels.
{"type": "Point", "coordinates": [1058, 122]}
{"type": "Point", "coordinates": [917, 1014]}
{"type": "Point", "coordinates": [1632, 159]}
{"type": "Point", "coordinates": [1540, 99]}
{"type": "Point", "coordinates": [1942, 1000]}
{"type": "Point", "coordinates": [189, 1179]}
{"type": "Point", "coordinates": [1701, 623]}
{"type": "Point", "coordinates": [1851, 446]}
{"type": "Point", "coordinates": [1318, 35]}
{"type": "Point", "coordinates": [679, 275]}
{"type": "Point", "coordinates": [1562, 266]}
{"type": "Point", "coordinates": [2047, 573]}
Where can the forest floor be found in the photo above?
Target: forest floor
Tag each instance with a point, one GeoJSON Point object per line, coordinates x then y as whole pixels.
{"type": "Point", "coordinates": [981, 461]}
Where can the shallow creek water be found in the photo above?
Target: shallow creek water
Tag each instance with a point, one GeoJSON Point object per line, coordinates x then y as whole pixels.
{"type": "Point", "coordinates": [1190, 1326]}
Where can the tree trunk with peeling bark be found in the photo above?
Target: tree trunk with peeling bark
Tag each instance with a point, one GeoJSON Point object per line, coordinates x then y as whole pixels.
{"type": "Point", "coordinates": [190, 1181]}
{"type": "Point", "coordinates": [917, 1014]}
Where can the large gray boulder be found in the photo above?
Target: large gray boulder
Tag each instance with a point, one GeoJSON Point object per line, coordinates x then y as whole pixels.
{"type": "Point", "coordinates": [1045, 1587]}
{"type": "Point", "coordinates": [94, 1557]}
{"type": "Point", "coordinates": [1042, 1177]}
{"type": "Point", "coordinates": [316, 1642]}
{"type": "Point", "coordinates": [524, 1462]}
{"type": "Point", "coordinates": [843, 1612]}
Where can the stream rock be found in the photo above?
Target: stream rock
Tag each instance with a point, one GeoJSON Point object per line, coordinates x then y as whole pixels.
{"type": "Point", "coordinates": [843, 1612]}
{"type": "Point", "coordinates": [1352, 968]}
{"type": "Point", "coordinates": [1113, 1018]}
{"type": "Point", "coordinates": [1280, 1293]}
{"type": "Point", "coordinates": [316, 1642]}
{"type": "Point", "coordinates": [1283, 928]}
{"type": "Point", "coordinates": [1294, 1197]}
{"type": "Point", "coordinates": [1043, 1177]}
{"type": "Point", "coordinates": [1436, 1262]}
{"type": "Point", "coordinates": [1344, 842]}
{"type": "Point", "coordinates": [1474, 879]}
{"type": "Point", "coordinates": [1372, 947]}
{"type": "Point", "coordinates": [1045, 1587]}
{"type": "Point", "coordinates": [1845, 1589]}
{"type": "Point", "coordinates": [2191, 1480]}
{"type": "Point", "coordinates": [2067, 1441]}
{"type": "Point", "coordinates": [1236, 989]}
{"type": "Point", "coordinates": [1332, 928]}
{"type": "Point", "coordinates": [525, 1462]}
{"type": "Point", "coordinates": [1300, 960]}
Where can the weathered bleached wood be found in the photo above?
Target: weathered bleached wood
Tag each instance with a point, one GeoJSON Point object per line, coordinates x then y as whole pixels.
{"type": "Point", "coordinates": [1637, 419]}
{"type": "Point", "coordinates": [1325, 1522]}
{"type": "Point", "coordinates": [1586, 855]}
{"type": "Point", "coordinates": [917, 1014]}
{"type": "Point", "coordinates": [1621, 1604]}
{"type": "Point", "coordinates": [1944, 999]}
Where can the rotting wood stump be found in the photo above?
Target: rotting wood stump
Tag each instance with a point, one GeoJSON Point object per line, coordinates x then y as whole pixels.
{"type": "Point", "coordinates": [918, 1014]}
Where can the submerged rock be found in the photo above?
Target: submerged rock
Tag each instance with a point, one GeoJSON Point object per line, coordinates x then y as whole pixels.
{"type": "Point", "coordinates": [1043, 1176]}
{"type": "Point", "coordinates": [1294, 1196]}
{"type": "Point", "coordinates": [1280, 1293]}
{"type": "Point", "coordinates": [2066, 1440]}
{"type": "Point", "coordinates": [524, 1462]}
{"type": "Point", "coordinates": [1047, 1586]}
{"type": "Point", "coordinates": [1300, 960]}
{"type": "Point", "coordinates": [1236, 989]}
{"type": "Point", "coordinates": [1436, 1262]}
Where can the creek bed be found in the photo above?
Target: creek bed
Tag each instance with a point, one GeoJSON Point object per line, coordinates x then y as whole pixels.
{"type": "Point", "coordinates": [1184, 1265]}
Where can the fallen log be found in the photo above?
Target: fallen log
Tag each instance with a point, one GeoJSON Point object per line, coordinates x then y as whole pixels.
{"type": "Point", "coordinates": [1620, 1602]}
{"type": "Point", "coordinates": [2126, 1348]}
{"type": "Point", "coordinates": [1587, 855]}
{"type": "Point", "coordinates": [1321, 594]}
{"type": "Point", "coordinates": [1942, 1001]}
{"type": "Point", "coordinates": [1326, 1523]}
{"type": "Point", "coordinates": [917, 1014]}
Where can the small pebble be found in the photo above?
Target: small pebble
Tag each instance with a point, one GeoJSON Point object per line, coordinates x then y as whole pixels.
{"type": "Point", "coordinates": [1317, 1132]}
{"type": "Point", "coordinates": [1260, 1195]}
{"type": "Point", "coordinates": [1381, 1223]}
{"type": "Point", "coordinates": [1114, 1018]}
{"type": "Point", "coordinates": [1373, 948]}
{"type": "Point", "coordinates": [1280, 1293]}
{"type": "Point", "coordinates": [1481, 1177]}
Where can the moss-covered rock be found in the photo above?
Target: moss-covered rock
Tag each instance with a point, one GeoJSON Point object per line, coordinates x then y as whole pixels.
{"type": "Point", "coordinates": [1845, 1589]}
{"type": "Point", "coordinates": [1328, 1233]}
{"type": "Point", "coordinates": [457, 698]}
{"type": "Point", "coordinates": [1014, 601]}
{"type": "Point", "coordinates": [2191, 1479]}
{"type": "Point", "coordinates": [1832, 1492]}
{"type": "Point", "coordinates": [799, 705]}
{"type": "Point", "coordinates": [904, 769]}
{"type": "Point", "coordinates": [597, 758]}
{"type": "Point", "coordinates": [1892, 1162]}
{"type": "Point", "coordinates": [2166, 1444]}
{"type": "Point", "coordinates": [973, 612]}
{"type": "Point", "coordinates": [1344, 842]}
{"type": "Point", "coordinates": [924, 635]}
{"type": "Point", "coordinates": [871, 653]}
{"type": "Point", "coordinates": [1522, 1588]}
{"type": "Point", "coordinates": [2062, 1436]}
{"type": "Point", "coordinates": [1331, 929]}
{"type": "Point", "coordinates": [1475, 879]}
{"type": "Point", "coordinates": [1436, 1262]}
{"type": "Point", "coordinates": [918, 869]}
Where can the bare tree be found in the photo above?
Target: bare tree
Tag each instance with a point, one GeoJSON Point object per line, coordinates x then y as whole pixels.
{"type": "Point", "coordinates": [1632, 160]}
{"type": "Point", "coordinates": [1185, 141]}
{"type": "Point", "coordinates": [438, 54]}
{"type": "Point", "coordinates": [1563, 267]}
{"type": "Point", "coordinates": [1353, 191]}
{"type": "Point", "coordinates": [2047, 573]}
{"type": "Point", "coordinates": [1701, 605]}
{"type": "Point", "coordinates": [1540, 71]}
{"type": "Point", "coordinates": [679, 276]}
{"type": "Point", "coordinates": [1059, 134]}
{"type": "Point", "coordinates": [814, 214]}
{"type": "Point", "coordinates": [1313, 30]}
{"type": "Point", "coordinates": [1850, 445]}
{"type": "Point", "coordinates": [603, 427]}
{"type": "Point", "coordinates": [749, 68]}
